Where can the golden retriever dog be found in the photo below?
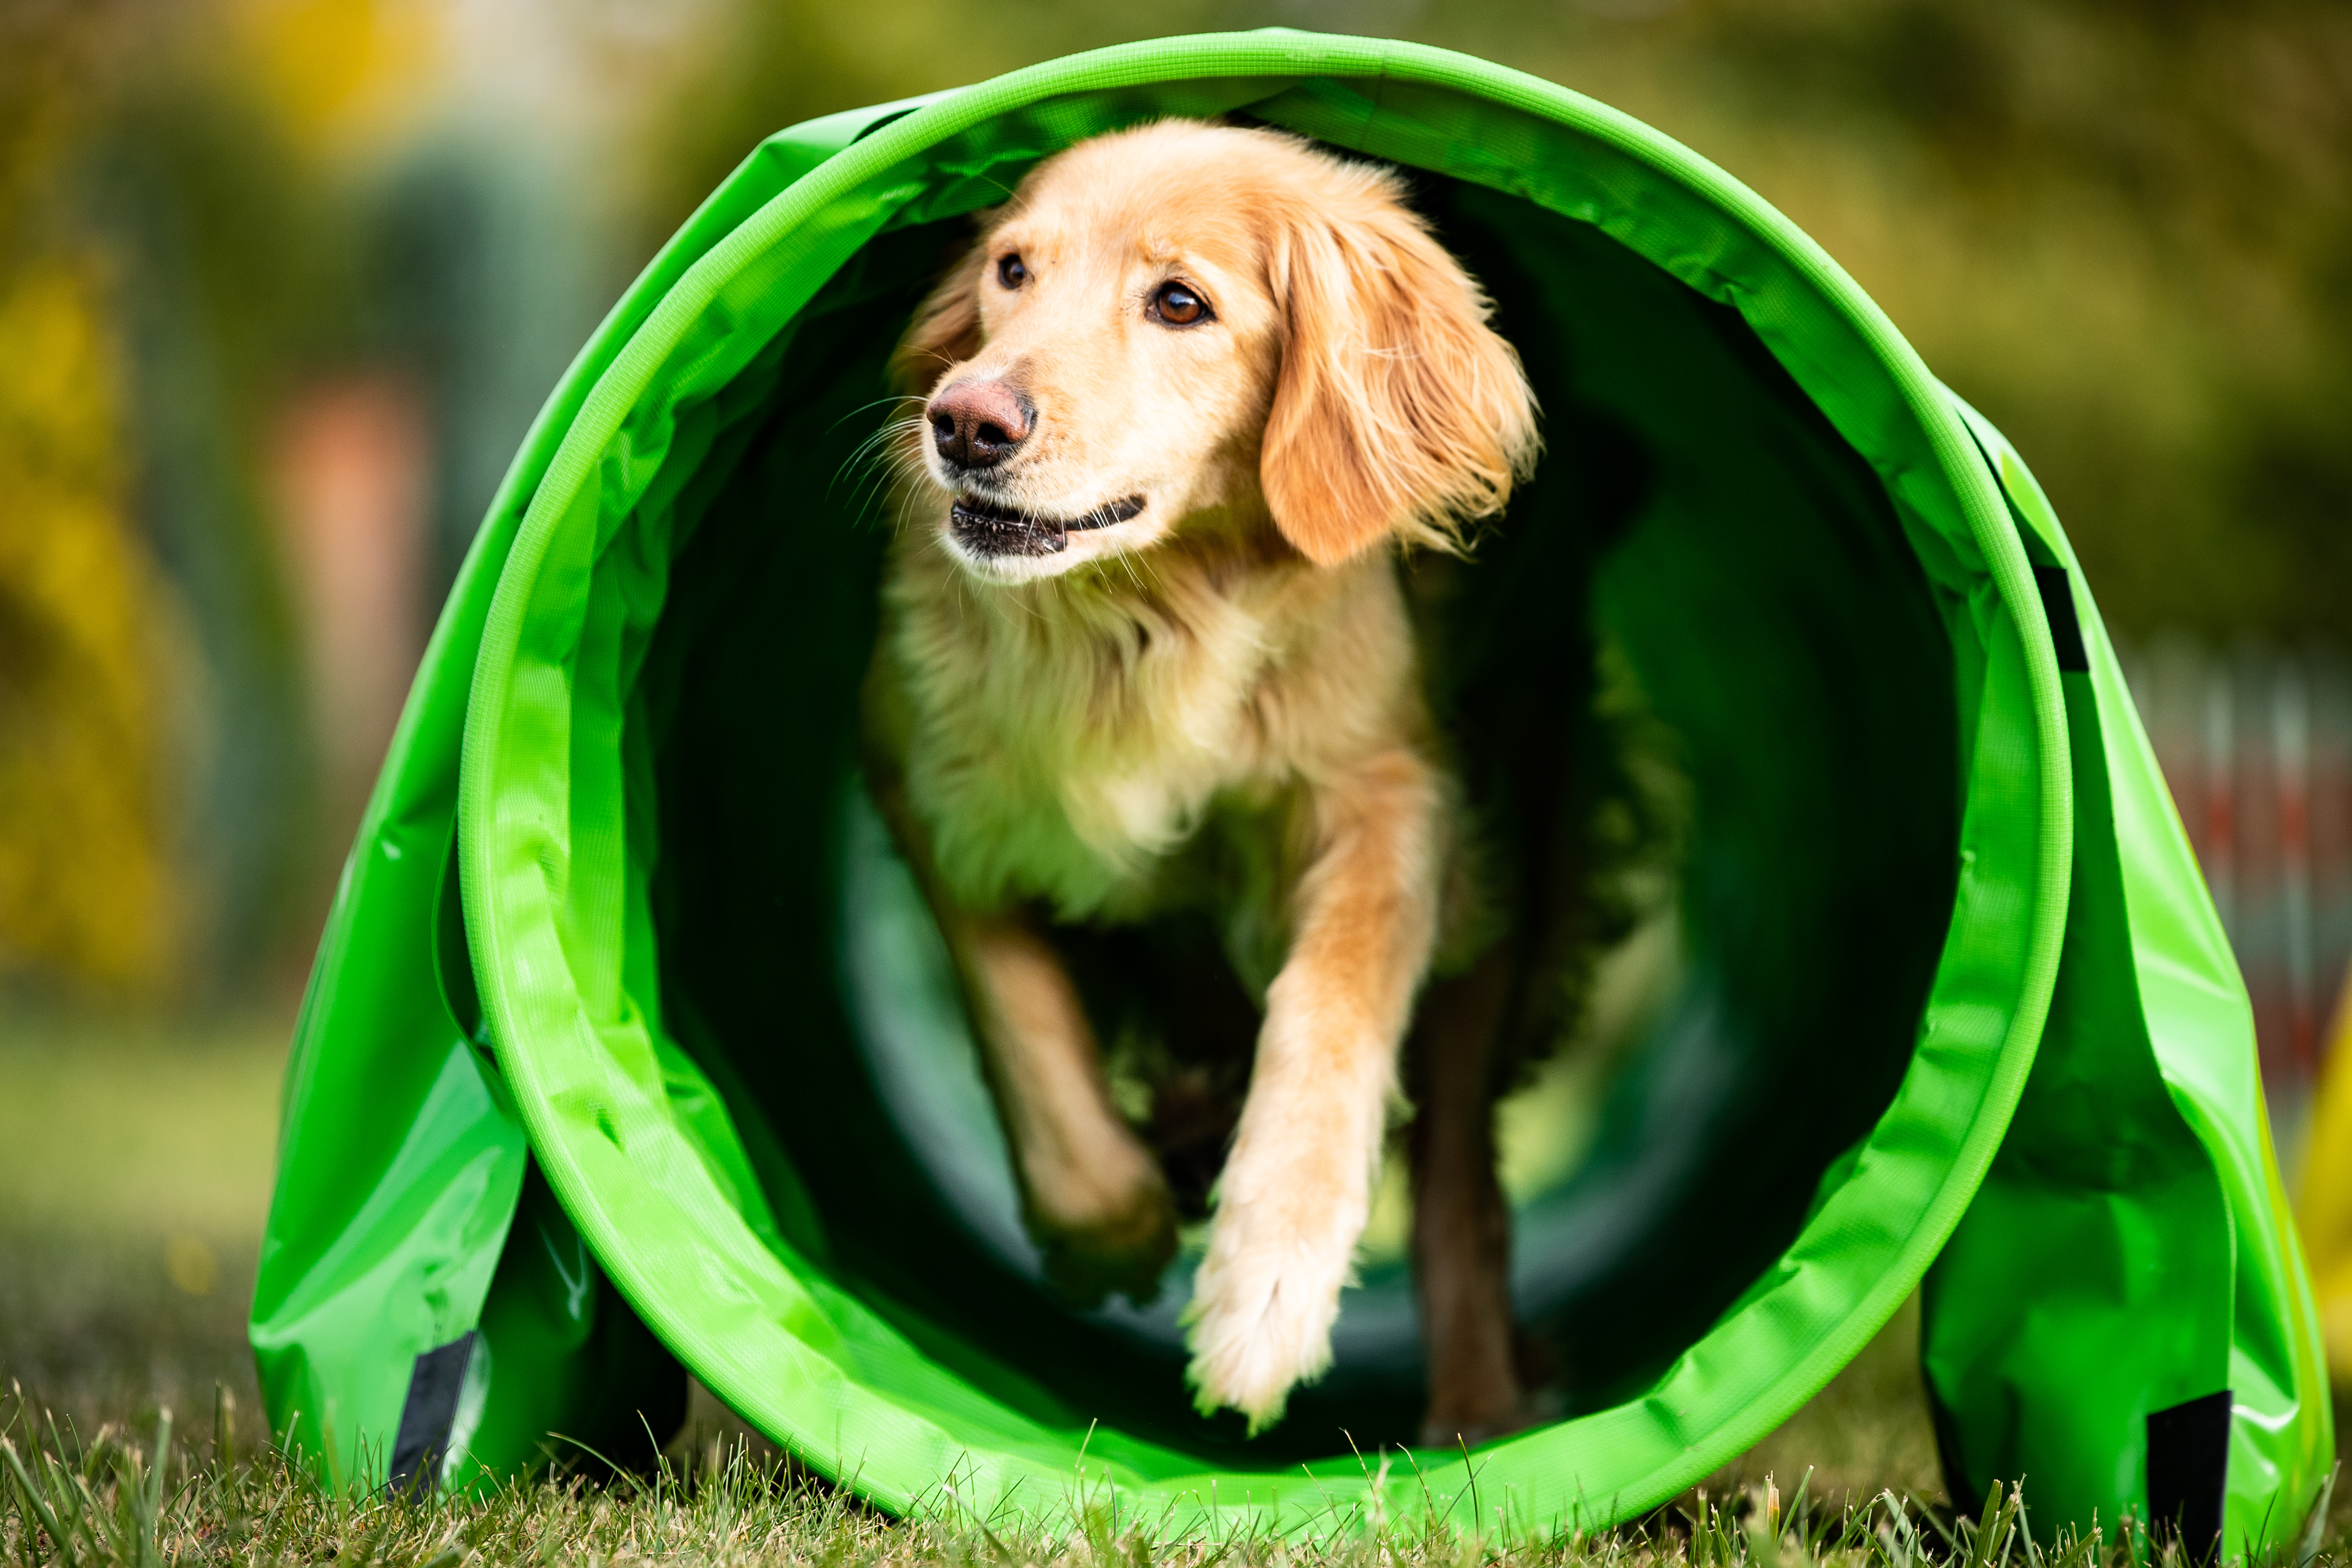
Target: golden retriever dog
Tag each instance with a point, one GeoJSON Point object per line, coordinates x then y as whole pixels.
{"type": "Point", "coordinates": [1147, 651]}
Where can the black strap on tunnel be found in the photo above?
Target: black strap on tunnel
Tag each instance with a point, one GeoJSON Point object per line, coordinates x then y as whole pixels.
{"type": "Point", "coordinates": [2187, 1471]}
{"type": "Point", "coordinates": [2065, 627]}
{"type": "Point", "coordinates": [2057, 595]}
{"type": "Point", "coordinates": [434, 1385]}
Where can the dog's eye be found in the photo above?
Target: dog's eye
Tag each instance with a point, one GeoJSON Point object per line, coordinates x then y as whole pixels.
{"type": "Point", "coordinates": [1010, 272]}
{"type": "Point", "coordinates": [1177, 305]}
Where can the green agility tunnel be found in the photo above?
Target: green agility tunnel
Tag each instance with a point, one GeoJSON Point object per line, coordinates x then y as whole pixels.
{"type": "Point", "coordinates": [629, 1051]}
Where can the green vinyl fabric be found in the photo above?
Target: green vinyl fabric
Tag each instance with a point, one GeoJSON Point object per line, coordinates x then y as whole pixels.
{"type": "Point", "coordinates": [593, 1081]}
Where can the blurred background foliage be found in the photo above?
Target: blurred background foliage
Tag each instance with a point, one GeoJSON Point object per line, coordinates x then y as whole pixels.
{"type": "Point", "coordinates": [282, 283]}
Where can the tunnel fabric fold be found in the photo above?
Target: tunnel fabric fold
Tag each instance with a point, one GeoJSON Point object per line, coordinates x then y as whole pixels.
{"type": "Point", "coordinates": [521, 1105]}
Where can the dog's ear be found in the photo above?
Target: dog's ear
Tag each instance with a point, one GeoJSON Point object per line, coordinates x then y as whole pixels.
{"type": "Point", "coordinates": [945, 330]}
{"type": "Point", "coordinates": [1398, 410]}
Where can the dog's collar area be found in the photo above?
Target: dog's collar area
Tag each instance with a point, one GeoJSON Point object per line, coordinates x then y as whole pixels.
{"type": "Point", "coordinates": [987, 528]}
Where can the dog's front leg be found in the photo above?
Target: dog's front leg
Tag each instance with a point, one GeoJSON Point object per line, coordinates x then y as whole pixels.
{"type": "Point", "coordinates": [1096, 1201]}
{"type": "Point", "coordinates": [1297, 1189]}
{"type": "Point", "coordinates": [1091, 1195]}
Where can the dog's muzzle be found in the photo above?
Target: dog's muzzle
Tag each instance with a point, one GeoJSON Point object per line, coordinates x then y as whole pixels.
{"type": "Point", "coordinates": [984, 527]}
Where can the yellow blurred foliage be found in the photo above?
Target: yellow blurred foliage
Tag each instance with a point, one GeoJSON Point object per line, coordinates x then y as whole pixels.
{"type": "Point", "coordinates": [342, 73]}
{"type": "Point", "coordinates": [84, 888]}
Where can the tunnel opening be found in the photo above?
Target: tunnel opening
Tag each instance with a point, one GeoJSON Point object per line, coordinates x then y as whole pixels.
{"type": "Point", "coordinates": [1700, 641]}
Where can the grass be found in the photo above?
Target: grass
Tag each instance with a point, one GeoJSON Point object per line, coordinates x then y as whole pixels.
{"type": "Point", "coordinates": [134, 1172]}
{"type": "Point", "coordinates": [156, 1498]}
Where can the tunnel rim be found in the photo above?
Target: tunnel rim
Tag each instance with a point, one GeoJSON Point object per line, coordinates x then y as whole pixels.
{"type": "Point", "coordinates": [496, 871]}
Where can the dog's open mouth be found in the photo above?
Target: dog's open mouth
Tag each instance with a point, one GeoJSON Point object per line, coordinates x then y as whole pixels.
{"type": "Point", "coordinates": [985, 528]}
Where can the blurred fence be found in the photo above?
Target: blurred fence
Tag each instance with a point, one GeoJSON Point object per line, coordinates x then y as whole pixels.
{"type": "Point", "coordinates": [2256, 744]}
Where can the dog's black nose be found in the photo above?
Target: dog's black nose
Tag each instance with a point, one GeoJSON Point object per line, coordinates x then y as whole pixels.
{"type": "Point", "coordinates": [976, 424]}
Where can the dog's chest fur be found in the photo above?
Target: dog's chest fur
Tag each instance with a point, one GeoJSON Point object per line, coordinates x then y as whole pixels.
{"type": "Point", "coordinates": [1065, 741]}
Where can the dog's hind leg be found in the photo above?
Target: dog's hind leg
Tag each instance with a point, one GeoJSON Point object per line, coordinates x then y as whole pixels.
{"type": "Point", "coordinates": [1460, 1224]}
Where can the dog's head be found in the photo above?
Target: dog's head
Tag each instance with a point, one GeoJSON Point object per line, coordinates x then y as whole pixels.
{"type": "Point", "coordinates": [1196, 325]}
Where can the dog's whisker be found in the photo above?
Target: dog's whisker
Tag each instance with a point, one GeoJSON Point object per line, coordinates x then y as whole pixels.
{"type": "Point", "coordinates": [1127, 558]}
{"type": "Point", "coordinates": [881, 440]}
{"type": "Point", "coordinates": [886, 459]}
{"type": "Point", "coordinates": [874, 403]}
{"type": "Point", "coordinates": [906, 505]}
{"type": "Point", "coordinates": [871, 469]}
{"type": "Point", "coordinates": [891, 429]}
{"type": "Point", "coordinates": [875, 493]}
{"type": "Point", "coordinates": [897, 467]}
{"type": "Point", "coordinates": [1133, 557]}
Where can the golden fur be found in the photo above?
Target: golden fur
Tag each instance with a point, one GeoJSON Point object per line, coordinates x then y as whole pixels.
{"type": "Point", "coordinates": [1213, 703]}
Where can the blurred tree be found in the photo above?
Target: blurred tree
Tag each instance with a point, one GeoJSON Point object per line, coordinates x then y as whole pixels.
{"type": "Point", "coordinates": [766, 64]}
{"type": "Point", "coordinates": [282, 283]}
{"type": "Point", "coordinates": [479, 284]}
{"type": "Point", "coordinates": [231, 281]}
{"type": "Point", "coordinates": [83, 880]}
{"type": "Point", "coordinates": [2124, 230]}
{"type": "Point", "coordinates": [86, 893]}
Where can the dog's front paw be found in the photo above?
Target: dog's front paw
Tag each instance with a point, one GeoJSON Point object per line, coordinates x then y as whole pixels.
{"type": "Point", "coordinates": [1107, 1238]}
{"type": "Point", "coordinates": [1268, 1291]}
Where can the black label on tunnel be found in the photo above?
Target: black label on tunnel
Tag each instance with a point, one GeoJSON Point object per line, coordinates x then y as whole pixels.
{"type": "Point", "coordinates": [2187, 1468]}
{"type": "Point", "coordinates": [434, 1385]}
{"type": "Point", "coordinates": [2065, 630]}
